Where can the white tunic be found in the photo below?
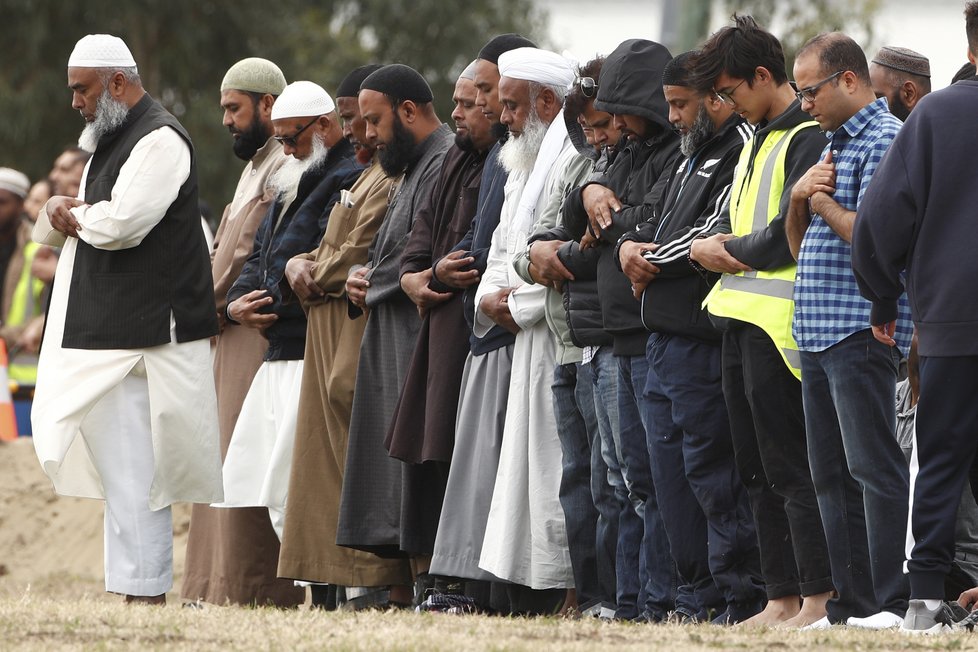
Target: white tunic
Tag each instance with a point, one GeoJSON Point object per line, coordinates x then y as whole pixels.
{"type": "Point", "coordinates": [70, 382]}
{"type": "Point", "coordinates": [526, 538]}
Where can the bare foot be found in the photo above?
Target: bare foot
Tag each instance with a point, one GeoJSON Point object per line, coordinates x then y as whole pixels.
{"type": "Point", "coordinates": [154, 600]}
{"type": "Point", "coordinates": [776, 612]}
{"type": "Point", "coordinates": [570, 607]}
{"type": "Point", "coordinates": [812, 610]}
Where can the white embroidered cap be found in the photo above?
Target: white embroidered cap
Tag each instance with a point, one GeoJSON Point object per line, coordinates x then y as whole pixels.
{"type": "Point", "coordinates": [302, 99]}
{"type": "Point", "coordinates": [101, 51]}
{"type": "Point", "coordinates": [14, 181]}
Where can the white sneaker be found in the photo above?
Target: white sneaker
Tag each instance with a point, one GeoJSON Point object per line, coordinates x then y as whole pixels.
{"type": "Point", "coordinates": [882, 620]}
{"type": "Point", "coordinates": [821, 623]}
{"type": "Point", "coordinates": [921, 620]}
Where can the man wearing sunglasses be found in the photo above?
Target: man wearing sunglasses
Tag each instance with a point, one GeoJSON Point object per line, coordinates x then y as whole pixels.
{"type": "Point", "coordinates": [848, 379]}
{"type": "Point", "coordinates": [321, 164]}
{"type": "Point", "coordinates": [752, 304]}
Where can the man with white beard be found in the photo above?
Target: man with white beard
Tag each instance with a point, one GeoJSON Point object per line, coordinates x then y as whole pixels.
{"type": "Point", "coordinates": [321, 164]}
{"type": "Point", "coordinates": [125, 407]}
{"type": "Point", "coordinates": [526, 540]}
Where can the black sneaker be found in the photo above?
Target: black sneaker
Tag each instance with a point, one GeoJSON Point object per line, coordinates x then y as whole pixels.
{"type": "Point", "coordinates": [448, 603]}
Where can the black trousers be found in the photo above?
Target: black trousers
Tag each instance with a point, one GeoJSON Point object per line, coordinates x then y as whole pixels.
{"type": "Point", "coordinates": [767, 425]}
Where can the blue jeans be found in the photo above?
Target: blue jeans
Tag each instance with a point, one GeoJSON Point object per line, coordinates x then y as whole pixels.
{"type": "Point", "coordinates": [657, 571]}
{"type": "Point", "coordinates": [859, 471]}
{"type": "Point", "coordinates": [587, 499]}
{"type": "Point", "coordinates": [625, 527]}
{"type": "Point", "coordinates": [703, 502]}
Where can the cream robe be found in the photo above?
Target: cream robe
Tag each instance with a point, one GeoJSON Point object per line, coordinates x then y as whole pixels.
{"type": "Point", "coordinates": [183, 404]}
{"type": "Point", "coordinates": [526, 538]}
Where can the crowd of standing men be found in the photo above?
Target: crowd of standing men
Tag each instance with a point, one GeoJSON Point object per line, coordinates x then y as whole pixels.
{"type": "Point", "coordinates": [626, 342]}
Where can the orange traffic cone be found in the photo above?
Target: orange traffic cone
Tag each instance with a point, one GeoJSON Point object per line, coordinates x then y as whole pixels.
{"type": "Point", "coordinates": [8, 421]}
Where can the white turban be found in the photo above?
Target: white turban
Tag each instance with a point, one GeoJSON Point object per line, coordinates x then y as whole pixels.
{"type": "Point", "coordinates": [101, 51]}
{"type": "Point", "coordinates": [536, 65]}
{"type": "Point", "coordinates": [14, 181]}
{"type": "Point", "coordinates": [302, 99]}
{"type": "Point", "coordinates": [469, 72]}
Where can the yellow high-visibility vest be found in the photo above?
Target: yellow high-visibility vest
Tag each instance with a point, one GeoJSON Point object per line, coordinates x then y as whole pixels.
{"type": "Point", "coordinates": [763, 298]}
{"type": "Point", "coordinates": [26, 304]}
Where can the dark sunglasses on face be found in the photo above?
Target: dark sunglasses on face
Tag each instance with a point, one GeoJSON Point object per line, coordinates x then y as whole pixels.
{"type": "Point", "coordinates": [290, 141]}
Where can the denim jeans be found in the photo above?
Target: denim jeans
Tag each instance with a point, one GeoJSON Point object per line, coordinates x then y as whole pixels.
{"type": "Point", "coordinates": [625, 527]}
{"type": "Point", "coordinates": [701, 497]}
{"type": "Point", "coordinates": [859, 471]}
{"type": "Point", "coordinates": [657, 571]}
{"type": "Point", "coordinates": [587, 499]}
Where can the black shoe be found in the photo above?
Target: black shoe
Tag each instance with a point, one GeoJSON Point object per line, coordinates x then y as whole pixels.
{"type": "Point", "coordinates": [448, 603]}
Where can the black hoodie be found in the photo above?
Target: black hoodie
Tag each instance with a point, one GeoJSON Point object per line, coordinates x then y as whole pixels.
{"type": "Point", "coordinates": [631, 84]}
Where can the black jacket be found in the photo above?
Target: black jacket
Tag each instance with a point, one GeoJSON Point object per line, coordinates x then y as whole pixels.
{"type": "Point", "coordinates": [694, 200]}
{"type": "Point", "coordinates": [630, 85]}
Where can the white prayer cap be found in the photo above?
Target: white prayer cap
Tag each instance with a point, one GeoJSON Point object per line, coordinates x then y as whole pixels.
{"type": "Point", "coordinates": [469, 72]}
{"type": "Point", "coordinates": [536, 65]}
{"type": "Point", "coordinates": [254, 75]}
{"type": "Point", "coordinates": [101, 51]}
{"type": "Point", "coordinates": [302, 99]}
{"type": "Point", "coordinates": [14, 181]}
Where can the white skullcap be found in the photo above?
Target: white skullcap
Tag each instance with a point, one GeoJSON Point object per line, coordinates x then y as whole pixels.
{"type": "Point", "coordinates": [101, 51]}
{"type": "Point", "coordinates": [536, 65]}
{"type": "Point", "coordinates": [14, 181]}
{"type": "Point", "coordinates": [254, 75]}
{"type": "Point", "coordinates": [302, 99]}
{"type": "Point", "coordinates": [469, 72]}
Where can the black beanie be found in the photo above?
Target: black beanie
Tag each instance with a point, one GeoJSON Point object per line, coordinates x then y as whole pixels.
{"type": "Point", "coordinates": [676, 72]}
{"type": "Point", "coordinates": [350, 85]}
{"type": "Point", "coordinates": [503, 43]}
{"type": "Point", "coordinates": [399, 82]}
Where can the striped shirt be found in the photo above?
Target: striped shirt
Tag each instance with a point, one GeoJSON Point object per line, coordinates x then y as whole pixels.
{"type": "Point", "coordinates": [828, 306]}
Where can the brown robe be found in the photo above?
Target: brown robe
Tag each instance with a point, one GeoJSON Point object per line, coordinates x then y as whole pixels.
{"type": "Point", "coordinates": [309, 550]}
{"type": "Point", "coordinates": [232, 554]}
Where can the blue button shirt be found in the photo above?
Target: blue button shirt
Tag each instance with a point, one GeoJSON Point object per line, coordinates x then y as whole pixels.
{"type": "Point", "coordinates": [828, 306]}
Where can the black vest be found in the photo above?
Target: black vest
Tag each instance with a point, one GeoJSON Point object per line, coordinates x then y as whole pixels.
{"type": "Point", "coordinates": [123, 299]}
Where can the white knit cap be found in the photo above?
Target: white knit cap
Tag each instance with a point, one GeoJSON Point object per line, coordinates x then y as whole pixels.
{"type": "Point", "coordinates": [254, 75]}
{"type": "Point", "coordinates": [302, 99]}
{"type": "Point", "coordinates": [14, 181]}
{"type": "Point", "coordinates": [101, 51]}
{"type": "Point", "coordinates": [536, 65]}
{"type": "Point", "coordinates": [469, 72]}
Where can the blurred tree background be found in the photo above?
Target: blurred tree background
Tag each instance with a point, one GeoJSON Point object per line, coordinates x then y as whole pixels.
{"type": "Point", "coordinates": [184, 47]}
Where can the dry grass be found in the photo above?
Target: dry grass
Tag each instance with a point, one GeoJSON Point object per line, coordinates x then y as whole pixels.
{"type": "Point", "coordinates": [32, 621]}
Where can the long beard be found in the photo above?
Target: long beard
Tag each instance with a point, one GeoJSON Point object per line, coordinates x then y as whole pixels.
{"type": "Point", "coordinates": [398, 154]}
{"type": "Point", "coordinates": [110, 113]}
{"type": "Point", "coordinates": [286, 178]}
{"type": "Point", "coordinates": [702, 130]}
{"type": "Point", "coordinates": [519, 153]}
{"type": "Point", "coordinates": [249, 141]}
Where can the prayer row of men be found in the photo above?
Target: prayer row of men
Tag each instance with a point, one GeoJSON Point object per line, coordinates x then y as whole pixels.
{"type": "Point", "coordinates": [618, 345]}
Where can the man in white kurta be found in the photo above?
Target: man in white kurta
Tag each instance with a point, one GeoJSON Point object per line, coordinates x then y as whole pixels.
{"type": "Point", "coordinates": [135, 426]}
{"type": "Point", "coordinates": [526, 538]}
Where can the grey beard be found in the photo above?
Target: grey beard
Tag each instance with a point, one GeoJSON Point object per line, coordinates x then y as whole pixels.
{"type": "Point", "coordinates": [701, 131]}
{"type": "Point", "coordinates": [286, 178]}
{"type": "Point", "coordinates": [520, 153]}
{"type": "Point", "coordinates": [110, 113]}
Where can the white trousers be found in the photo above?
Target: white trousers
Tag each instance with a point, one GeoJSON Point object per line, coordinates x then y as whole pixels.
{"type": "Point", "coordinates": [138, 541]}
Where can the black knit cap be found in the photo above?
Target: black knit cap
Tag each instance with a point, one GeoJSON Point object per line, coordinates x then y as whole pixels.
{"type": "Point", "coordinates": [503, 43]}
{"type": "Point", "coordinates": [676, 72]}
{"type": "Point", "coordinates": [399, 82]}
{"type": "Point", "coordinates": [350, 85]}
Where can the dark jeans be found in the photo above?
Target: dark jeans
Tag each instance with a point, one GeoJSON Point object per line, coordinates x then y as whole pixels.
{"type": "Point", "coordinates": [587, 499]}
{"type": "Point", "coordinates": [947, 421]}
{"type": "Point", "coordinates": [703, 502]}
{"type": "Point", "coordinates": [859, 471]}
{"type": "Point", "coordinates": [626, 528]}
{"type": "Point", "coordinates": [767, 426]}
{"type": "Point", "coordinates": [657, 571]}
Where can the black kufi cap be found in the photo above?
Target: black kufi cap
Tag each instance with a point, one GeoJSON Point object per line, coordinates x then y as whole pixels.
{"type": "Point", "coordinates": [503, 43]}
{"type": "Point", "coordinates": [350, 85]}
{"type": "Point", "coordinates": [676, 72]}
{"type": "Point", "coordinates": [399, 82]}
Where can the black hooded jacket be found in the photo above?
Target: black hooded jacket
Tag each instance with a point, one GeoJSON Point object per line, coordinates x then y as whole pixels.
{"type": "Point", "coordinates": [631, 84]}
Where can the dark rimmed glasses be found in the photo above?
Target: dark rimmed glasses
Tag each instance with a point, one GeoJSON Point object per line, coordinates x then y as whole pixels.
{"type": "Point", "coordinates": [808, 94]}
{"type": "Point", "coordinates": [588, 86]}
{"type": "Point", "coordinates": [727, 96]}
{"type": "Point", "coordinates": [290, 141]}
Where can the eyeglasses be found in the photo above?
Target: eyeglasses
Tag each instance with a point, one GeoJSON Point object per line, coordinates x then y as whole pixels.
{"type": "Point", "coordinates": [808, 94]}
{"type": "Point", "coordinates": [589, 87]}
{"type": "Point", "coordinates": [727, 96]}
{"type": "Point", "coordinates": [290, 141]}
